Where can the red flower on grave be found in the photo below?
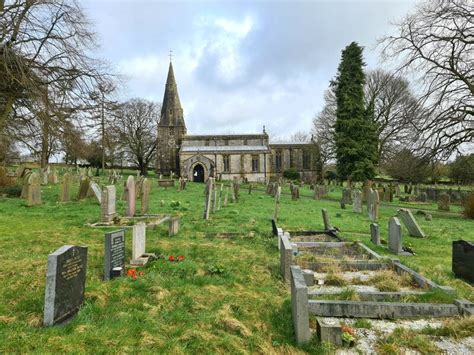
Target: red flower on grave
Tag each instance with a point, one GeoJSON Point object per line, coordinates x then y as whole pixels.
{"type": "Point", "coordinates": [140, 273]}
{"type": "Point", "coordinates": [171, 258]}
{"type": "Point", "coordinates": [180, 258]}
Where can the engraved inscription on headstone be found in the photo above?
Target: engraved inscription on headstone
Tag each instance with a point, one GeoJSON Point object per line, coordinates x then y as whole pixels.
{"type": "Point", "coordinates": [65, 283]}
{"type": "Point", "coordinates": [114, 254]}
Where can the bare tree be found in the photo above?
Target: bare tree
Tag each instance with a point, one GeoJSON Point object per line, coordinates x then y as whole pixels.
{"type": "Point", "coordinates": [436, 43]}
{"type": "Point", "coordinates": [300, 137]}
{"type": "Point", "coordinates": [136, 129]}
{"type": "Point", "coordinates": [323, 126]}
{"type": "Point", "coordinates": [44, 62]}
{"type": "Point", "coordinates": [396, 113]}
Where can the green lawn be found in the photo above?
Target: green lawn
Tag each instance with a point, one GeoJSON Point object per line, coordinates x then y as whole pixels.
{"type": "Point", "coordinates": [227, 296]}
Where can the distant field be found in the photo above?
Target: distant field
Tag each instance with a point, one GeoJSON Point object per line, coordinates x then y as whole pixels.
{"type": "Point", "coordinates": [227, 296]}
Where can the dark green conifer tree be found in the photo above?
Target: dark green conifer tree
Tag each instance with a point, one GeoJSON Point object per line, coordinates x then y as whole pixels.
{"type": "Point", "coordinates": [355, 130]}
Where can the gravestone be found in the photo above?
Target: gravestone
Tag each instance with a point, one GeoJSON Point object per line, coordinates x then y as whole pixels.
{"type": "Point", "coordinates": [346, 196]}
{"type": "Point", "coordinates": [375, 233]}
{"type": "Point", "coordinates": [443, 202]}
{"type": "Point", "coordinates": [145, 196]}
{"type": "Point", "coordinates": [327, 225]}
{"type": "Point", "coordinates": [107, 204]}
{"type": "Point", "coordinates": [463, 259]}
{"type": "Point", "coordinates": [96, 190]}
{"type": "Point", "coordinates": [277, 203]}
{"type": "Point", "coordinates": [65, 193]}
{"type": "Point", "coordinates": [130, 197]}
{"type": "Point", "coordinates": [220, 197]}
{"type": "Point", "coordinates": [173, 226]}
{"type": "Point", "coordinates": [373, 205]}
{"type": "Point", "coordinates": [422, 197]}
{"type": "Point", "coordinates": [33, 191]}
{"type": "Point", "coordinates": [409, 221]}
{"type": "Point", "coordinates": [395, 235]}
{"type": "Point", "coordinates": [114, 254]}
{"type": "Point", "coordinates": [208, 197]}
{"type": "Point", "coordinates": [139, 257]}
{"type": "Point", "coordinates": [357, 201]}
{"type": "Point", "coordinates": [226, 195]}
{"type": "Point", "coordinates": [397, 190]}
{"type": "Point", "coordinates": [83, 188]}
{"type": "Point", "coordinates": [65, 283]}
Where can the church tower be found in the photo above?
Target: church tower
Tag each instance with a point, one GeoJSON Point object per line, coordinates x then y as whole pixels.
{"type": "Point", "coordinates": [171, 128]}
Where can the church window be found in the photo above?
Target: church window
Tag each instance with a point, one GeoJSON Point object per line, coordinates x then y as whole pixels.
{"type": "Point", "coordinates": [226, 164]}
{"type": "Point", "coordinates": [171, 111]}
{"type": "Point", "coordinates": [278, 161]}
{"type": "Point", "coordinates": [306, 160]}
{"type": "Point", "coordinates": [255, 163]}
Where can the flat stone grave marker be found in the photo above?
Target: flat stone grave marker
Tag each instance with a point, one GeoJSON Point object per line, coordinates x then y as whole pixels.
{"type": "Point", "coordinates": [463, 259]}
{"type": "Point", "coordinates": [166, 183]}
{"type": "Point", "coordinates": [65, 283]}
{"type": "Point", "coordinates": [409, 221]}
{"type": "Point", "coordinates": [114, 254]}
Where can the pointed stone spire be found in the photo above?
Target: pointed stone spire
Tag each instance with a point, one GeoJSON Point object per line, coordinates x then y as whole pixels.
{"type": "Point", "coordinates": [171, 110]}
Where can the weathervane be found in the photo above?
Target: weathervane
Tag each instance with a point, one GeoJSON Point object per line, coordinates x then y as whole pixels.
{"type": "Point", "coordinates": [171, 54]}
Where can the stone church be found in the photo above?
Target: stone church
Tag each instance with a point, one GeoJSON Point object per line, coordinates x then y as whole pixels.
{"type": "Point", "coordinates": [250, 157]}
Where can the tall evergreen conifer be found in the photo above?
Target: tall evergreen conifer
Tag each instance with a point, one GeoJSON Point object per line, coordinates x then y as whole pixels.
{"type": "Point", "coordinates": [355, 130]}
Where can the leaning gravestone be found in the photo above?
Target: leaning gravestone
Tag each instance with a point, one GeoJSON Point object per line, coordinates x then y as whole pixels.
{"type": "Point", "coordinates": [443, 202]}
{"type": "Point", "coordinates": [145, 196]}
{"type": "Point", "coordinates": [65, 193]}
{"type": "Point", "coordinates": [346, 196]}
{"type": "Point", "coordinates": [395, 235]}
{"type": "Point", "coordinates": [375, 233]}
{"type": "Point", "coordinates": [33, 191]}
{"type": "Point", "coordinates": [409, 221]}
{"type": "Point", "coordinates": [463, 259]}
{"type": "Point", "coordinates": [107, 204]}
{"type": "Point", "coordinates": [65, 283]}
{"type": "Point", "coordinates": [130, 196]}
{"type": "Point", "coordinates": [327, 225]}
{"type": "Point", "coordinates": [97, 191]}
{"type": "Point", "coordinates": [114, 254]}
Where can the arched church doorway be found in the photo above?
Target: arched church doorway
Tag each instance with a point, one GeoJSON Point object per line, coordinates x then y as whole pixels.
{"type": "Point", "coordinates": [198, 173]}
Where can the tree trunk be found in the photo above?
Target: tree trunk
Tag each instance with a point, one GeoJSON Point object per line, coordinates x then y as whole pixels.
{"type": "Point", "coordinates": [44, 140]}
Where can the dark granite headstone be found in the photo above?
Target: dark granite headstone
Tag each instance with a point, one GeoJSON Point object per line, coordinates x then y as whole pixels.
{"type": "Point", "coordinates": [114, 254]}
{"type": "Point", "coordinates": [274, 227]}
{"type": "Point", "coordinates": [463, 259]}
{"type": "Point", "coordinates": [65, 283]}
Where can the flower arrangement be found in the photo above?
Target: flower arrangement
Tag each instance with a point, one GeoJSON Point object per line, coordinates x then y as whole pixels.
{"type": "Point", "coordinates": [348, 335]}
{"type": "Point", "coordinates": [133, 273]}
{"type": "Point", "coordinates": [178, 258]}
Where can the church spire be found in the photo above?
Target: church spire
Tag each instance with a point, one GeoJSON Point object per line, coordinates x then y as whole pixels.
{"type": "Point", "coordinates": [171, 110]}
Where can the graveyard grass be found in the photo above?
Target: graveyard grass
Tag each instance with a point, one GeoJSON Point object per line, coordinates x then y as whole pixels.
{"type": "Point", "coordinates": [226, 296]}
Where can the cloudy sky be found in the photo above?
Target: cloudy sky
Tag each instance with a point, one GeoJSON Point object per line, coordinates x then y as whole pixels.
{"type": "Point", "coordinates": [239, 65]}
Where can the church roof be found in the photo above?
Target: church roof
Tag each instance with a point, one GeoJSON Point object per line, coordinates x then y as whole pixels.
{"type": "Point", "coordinates": [225, 148]}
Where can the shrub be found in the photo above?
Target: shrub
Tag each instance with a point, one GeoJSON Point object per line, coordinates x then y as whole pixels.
{"type": "Point", "coordinates": [291, 174]}
{"type": "Point", "coordinates": [469, 206]}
